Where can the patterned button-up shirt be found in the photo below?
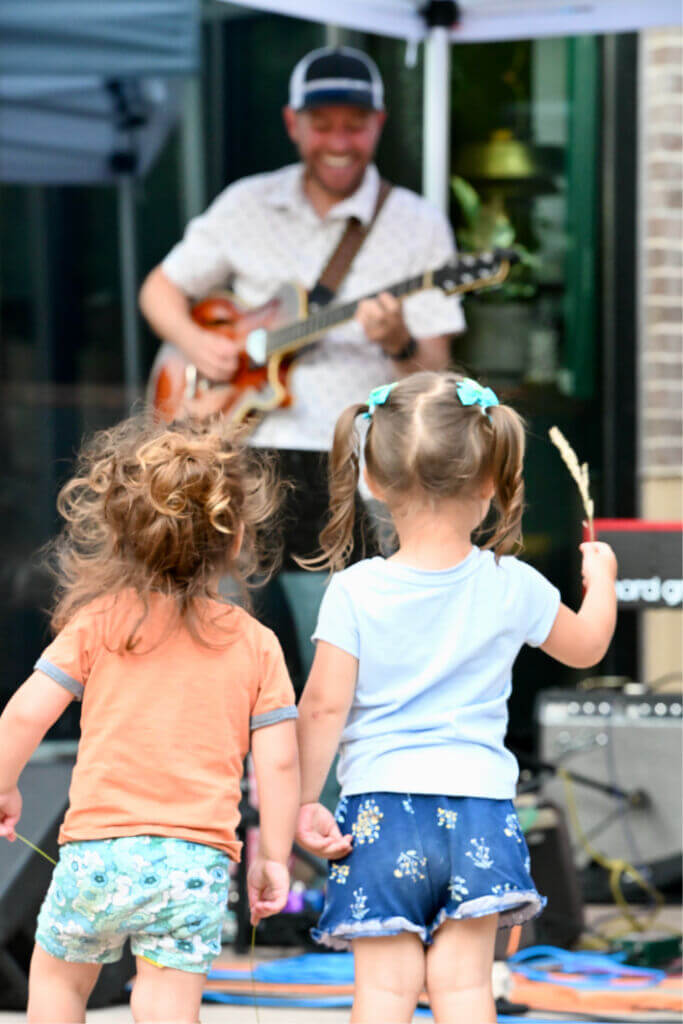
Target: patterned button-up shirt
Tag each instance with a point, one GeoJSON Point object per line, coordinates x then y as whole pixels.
{"type": "Point", "coordinates": [262, 232]}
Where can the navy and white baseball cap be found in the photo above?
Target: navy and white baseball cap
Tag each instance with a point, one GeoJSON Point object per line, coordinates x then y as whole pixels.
{"type": "Point", "coordinates": [336, 75]}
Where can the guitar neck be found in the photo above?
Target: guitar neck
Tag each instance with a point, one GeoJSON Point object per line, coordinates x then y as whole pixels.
{"type": "Point", "coordinates": [467, 272]}
{"type": "Point", "coordinates": [297, 334]}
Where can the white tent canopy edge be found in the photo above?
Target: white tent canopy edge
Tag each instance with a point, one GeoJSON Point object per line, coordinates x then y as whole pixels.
{"type": "Point", "coordinates": [478, 21]}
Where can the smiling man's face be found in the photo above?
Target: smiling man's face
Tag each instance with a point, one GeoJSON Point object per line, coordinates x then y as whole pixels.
{"type": "Point", "coordinates": [336, 144]}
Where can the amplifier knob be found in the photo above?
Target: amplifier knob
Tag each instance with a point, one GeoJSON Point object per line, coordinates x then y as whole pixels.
{"type": "Point", "coordinates": [573, 707]}
{"type": "Point", "coordinates": [604, 707]}
{"type": "Point", "coordinates": [589, 708]}
{"type": "Point", "coordinates": [660, 709]}
{"type": "Point", "coordinates": [675, 708]}
{"type": "Point", "coordinates": [645, 709]}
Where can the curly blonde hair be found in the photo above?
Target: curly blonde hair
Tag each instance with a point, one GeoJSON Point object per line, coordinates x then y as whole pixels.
{"type": "Point", "coordinates": [162, 509]}
{"type": "Point", "coordinates": [423, 440]}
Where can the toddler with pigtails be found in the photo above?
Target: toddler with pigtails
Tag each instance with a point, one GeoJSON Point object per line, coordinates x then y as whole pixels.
{"type": "Point", "coordinates": [176, 686]}
{"type": "Point", "coordinates": [411, 677]}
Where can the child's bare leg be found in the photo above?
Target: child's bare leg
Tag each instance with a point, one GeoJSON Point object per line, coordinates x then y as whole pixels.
{"type": "Point", "coordinates": [390, 974]}
{"type": "Point", "coordinates": [459, 970]}
{"type": "Point", "coordinates": [166, 994]}
{"type": "Point", "coordinates": [58, 991]}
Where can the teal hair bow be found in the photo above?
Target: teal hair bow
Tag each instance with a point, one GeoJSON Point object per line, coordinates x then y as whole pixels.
{"type": "Point", "coordinates": [471, 392]}
{"type": "Point", "coordinates": [378, 396]}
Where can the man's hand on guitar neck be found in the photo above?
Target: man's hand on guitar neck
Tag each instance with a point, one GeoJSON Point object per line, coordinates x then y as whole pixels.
{"type": "Point", "coordinates": [167, 310]}
{"type": "Point", "coordinates": [382, 321]}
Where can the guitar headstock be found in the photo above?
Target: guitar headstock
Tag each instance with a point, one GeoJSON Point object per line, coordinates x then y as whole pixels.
{"type": "Point", "coordinates": [472, 270]}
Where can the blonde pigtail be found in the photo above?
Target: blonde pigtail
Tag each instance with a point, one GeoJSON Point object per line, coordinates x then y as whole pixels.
{"type": "Point", "coordinates": [336, 539]}
{"type": "Point", "coordinates": [507, 457]}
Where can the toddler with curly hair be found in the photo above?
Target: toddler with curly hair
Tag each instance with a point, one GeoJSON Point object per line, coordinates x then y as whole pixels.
{"type": "Point", "coordinates": [176, 686]}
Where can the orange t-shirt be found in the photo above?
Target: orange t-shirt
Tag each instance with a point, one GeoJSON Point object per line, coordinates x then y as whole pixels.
{"type": "Point", "coordinates": [164, 732]}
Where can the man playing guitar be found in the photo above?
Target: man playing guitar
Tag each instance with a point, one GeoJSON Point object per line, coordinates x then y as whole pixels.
{"type": "Point", "coordinates": [269, 229]}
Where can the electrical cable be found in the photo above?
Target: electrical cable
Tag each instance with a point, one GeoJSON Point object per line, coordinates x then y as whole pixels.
{"type": "Point", "coordinates": [610, 758]}
{"type": "Point", "coordinates": [599, 969]}
{"type": "Point", "coordinates": [616, 867]}
{"type": "Point", "coordinates": [608, 820]}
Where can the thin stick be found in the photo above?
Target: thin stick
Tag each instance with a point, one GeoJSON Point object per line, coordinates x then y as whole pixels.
{"type": "Point", "coordinates": [252, 970]}
{"type": "Point", "coordinates": [578, 471]}
{"type": "Point", "coordinates": [36, 848]}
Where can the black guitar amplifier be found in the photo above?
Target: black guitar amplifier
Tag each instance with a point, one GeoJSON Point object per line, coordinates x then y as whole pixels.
{"type": "Point", "coordinates": [629, 741]}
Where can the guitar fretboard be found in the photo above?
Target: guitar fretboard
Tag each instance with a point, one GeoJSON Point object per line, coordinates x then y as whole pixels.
{"type": "Point", "coordinates": [320, 321]}
{"type": "Point", "coordinates": [465, 272]}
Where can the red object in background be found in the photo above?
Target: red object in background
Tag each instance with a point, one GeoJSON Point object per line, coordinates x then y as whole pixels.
{"type": "Point", "coordinates": [633, 526]}
{"type": "Point", "coordinates": [650, 558]}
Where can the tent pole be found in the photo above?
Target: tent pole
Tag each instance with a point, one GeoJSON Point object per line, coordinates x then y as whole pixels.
{"type": "Point", "coordinates": [436, 115]}
{"type": "Point", "coordinates": [334, 35]}
{"type": "Point", "coordinates": [125, 193]}
{"type": "Point", "coordinates": [193, 169]}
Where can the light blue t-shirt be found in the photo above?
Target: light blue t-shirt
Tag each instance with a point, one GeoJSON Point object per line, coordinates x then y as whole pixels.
{"type": "Point", "coordinates": [435, 652]}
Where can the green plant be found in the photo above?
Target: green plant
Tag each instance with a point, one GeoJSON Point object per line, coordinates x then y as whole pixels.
{"type": "Point", "coordinates": [487, 226]}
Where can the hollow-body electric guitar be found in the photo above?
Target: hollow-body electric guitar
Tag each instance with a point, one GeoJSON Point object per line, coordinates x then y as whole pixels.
{"type": "Point", "coordinates": [270, 336]}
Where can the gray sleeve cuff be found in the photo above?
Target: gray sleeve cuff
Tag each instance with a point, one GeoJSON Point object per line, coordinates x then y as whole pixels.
{"type": "Point", "coordinates": [61, 677]}
{"type": "Point", "coordinates": [271, 717]}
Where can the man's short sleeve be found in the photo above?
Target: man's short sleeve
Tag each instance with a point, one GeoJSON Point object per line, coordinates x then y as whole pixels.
{"type": "Point", "coordinates": [69, 658]}
{"type": "Point", "coordinates": [337, 622]}
{"type": "Point", "coordinates": [199, 263]}
{"type": "Point", "coordinates": [431, 313]}
{"type": "Point", "coordinates": [540, 602]}
{"type": "Point", "coordinates": [275, 693]}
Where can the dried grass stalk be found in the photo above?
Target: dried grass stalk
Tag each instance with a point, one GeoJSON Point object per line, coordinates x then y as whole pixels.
{"type": "Point", "coordinates": [578, 471]}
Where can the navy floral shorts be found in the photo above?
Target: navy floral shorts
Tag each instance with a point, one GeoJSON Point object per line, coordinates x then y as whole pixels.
{"type": "Point", "coordinates": [418, 860]}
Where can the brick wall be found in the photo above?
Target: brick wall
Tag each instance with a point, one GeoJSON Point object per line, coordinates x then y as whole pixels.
{"type": "Point", "coordinates": [661, 218]}
{"type": "Point", "coordinates": [660, 392]}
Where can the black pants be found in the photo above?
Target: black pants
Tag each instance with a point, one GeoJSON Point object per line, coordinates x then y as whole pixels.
{"type": "Point", "coordinates": [305, 514]}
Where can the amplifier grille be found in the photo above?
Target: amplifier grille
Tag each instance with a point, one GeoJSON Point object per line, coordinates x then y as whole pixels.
{"type": "Point", "coordinates": [631, 742]}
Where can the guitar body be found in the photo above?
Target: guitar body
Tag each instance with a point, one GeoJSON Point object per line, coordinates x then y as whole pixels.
{"type": "Point", "coordinates": [176, 388]}
{"type": "Point", "coordinates": [269, 337]}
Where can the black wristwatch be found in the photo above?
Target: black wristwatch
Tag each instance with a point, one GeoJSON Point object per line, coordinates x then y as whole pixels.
{"type": "Point", "coordinates": [407, 352]}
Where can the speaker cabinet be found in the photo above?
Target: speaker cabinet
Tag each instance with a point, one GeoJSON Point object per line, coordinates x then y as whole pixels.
{"type": "Point", "coordinates": [24, 880]}
{"type": "Point", "coordinates": [629, 742]}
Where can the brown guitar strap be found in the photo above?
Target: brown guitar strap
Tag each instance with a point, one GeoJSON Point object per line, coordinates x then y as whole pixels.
{"type": "Point", "coordinates": [343, 256]}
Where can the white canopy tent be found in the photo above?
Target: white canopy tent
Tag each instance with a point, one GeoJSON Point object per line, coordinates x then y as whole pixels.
{"type": "Point", "coordinates": [73, 71]}
{"type": "Point", "coordinates": [439, 23]}
{"type": "Point", "coordinates": [482, 20]}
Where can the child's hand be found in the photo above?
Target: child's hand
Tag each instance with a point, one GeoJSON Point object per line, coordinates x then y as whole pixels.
{"type": "Point", "coordinates": [10, 812]}
{"type": "Point", "coordinates": [598, 561]}
{"type": "Point", "coordinates": [318, 832]}
{"type": "Point", "coordinates": [268, 888]}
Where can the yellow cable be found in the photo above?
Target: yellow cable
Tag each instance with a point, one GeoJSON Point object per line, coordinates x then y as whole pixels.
{"type": "Point", "coordinates": [615, 866]}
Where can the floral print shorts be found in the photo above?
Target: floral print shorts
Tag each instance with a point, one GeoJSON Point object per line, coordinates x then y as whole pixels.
{"type": "Point", "coordinates": [167, 895]}
{"type": "Point", "coordinates": [418, 860]}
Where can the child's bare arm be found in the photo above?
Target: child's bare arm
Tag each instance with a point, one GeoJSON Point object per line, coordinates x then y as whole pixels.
{"type": "Point", "coordinates": [30, 712]}
{"type": "Point", "coordinates": [580, 639]}
{"type": "Point", "coordinates": [276, 764]}
{"type": "Point", "coordinates": [323, 710]}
